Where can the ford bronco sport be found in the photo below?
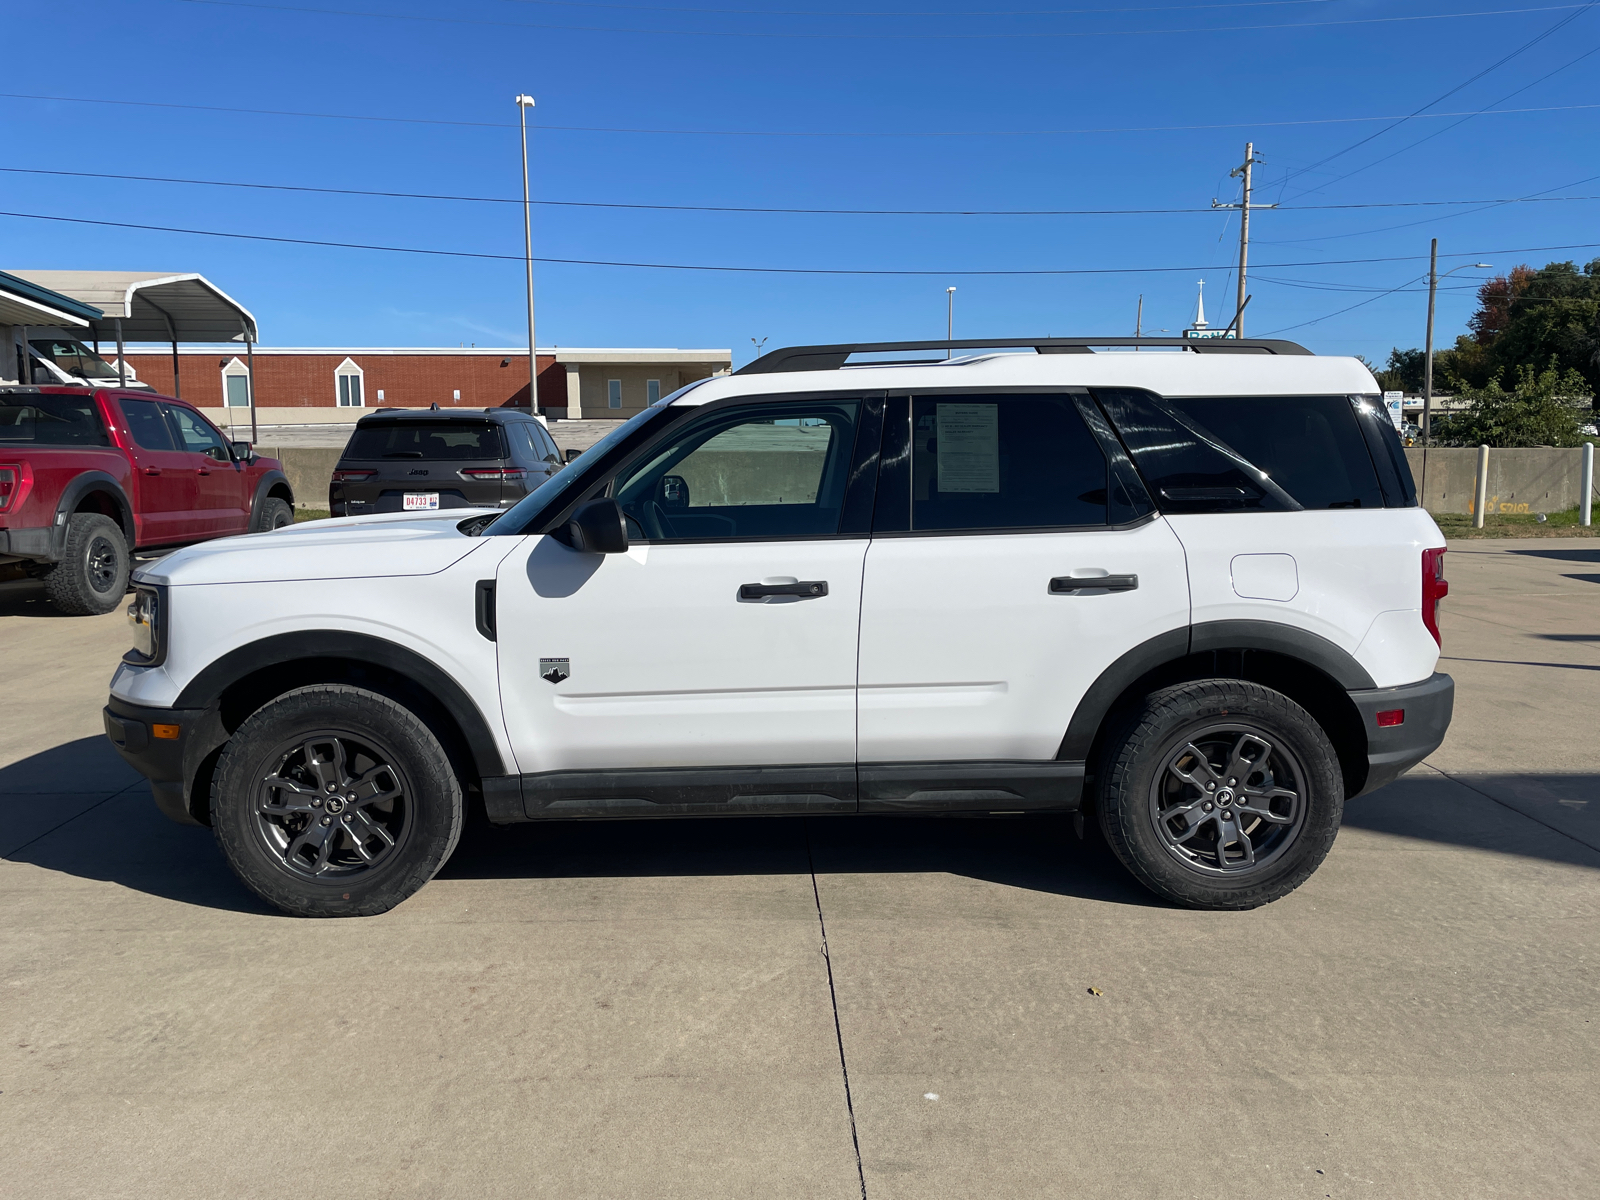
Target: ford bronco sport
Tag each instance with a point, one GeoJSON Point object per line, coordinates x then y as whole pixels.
{"type": "Point", "coordinates": [1186, 593]}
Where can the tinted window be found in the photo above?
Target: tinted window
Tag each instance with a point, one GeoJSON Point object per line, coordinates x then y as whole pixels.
{"type": "Point", "coordinates": [196, 436]}
{"type": "Point", "coordinates": [768, 470]}
{"type": "Point", "coordinates": [50, 421]}
{"type": "Point", "coordinates": [148, 427]}
{"type": "Point", "coordinates": [1188, 469]}
{"type": "Point", "coordinates": [447, 440]}
{"type": "Point", "coordinates": [1309, 445]}
{"type": "Point", "coordinates": [1003, 462]}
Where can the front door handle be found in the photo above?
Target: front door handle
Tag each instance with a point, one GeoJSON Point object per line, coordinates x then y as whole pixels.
{"type": "Point", "coordinates": [801, 589]}
{"type": "Point", "coordinates": [1071, 585]}
{"type": "Point", "coordinates": [202, 470]}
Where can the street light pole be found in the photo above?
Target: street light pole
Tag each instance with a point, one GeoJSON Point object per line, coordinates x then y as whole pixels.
{"type": "Point", "coordinates": [950, 319]}
{"type": "Point", "coordinates": [1427, 361]}
{"type": "Point", "coordinates": [524, 103]}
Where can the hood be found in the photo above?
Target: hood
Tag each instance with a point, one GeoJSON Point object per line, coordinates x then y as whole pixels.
{"type": "Point", "coordinates": [385, 545]}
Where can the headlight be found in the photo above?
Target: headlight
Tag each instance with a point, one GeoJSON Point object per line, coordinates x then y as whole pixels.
{"type": "Point", "coordinates": [146, 620]}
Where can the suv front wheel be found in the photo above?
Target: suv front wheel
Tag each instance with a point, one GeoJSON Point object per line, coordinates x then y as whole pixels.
{"type": "Point", "coordinates": [335, 801]}
{"type": "Point", "coordinates": [1220, 794]}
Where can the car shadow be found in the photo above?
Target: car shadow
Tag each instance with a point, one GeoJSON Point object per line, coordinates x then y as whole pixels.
{"type": "Point", "coordinates": [79, 810]}
{"type": "Point", "coordinates": [1563, 555]}
{"type": "Point", "coordinates": [26, 598]}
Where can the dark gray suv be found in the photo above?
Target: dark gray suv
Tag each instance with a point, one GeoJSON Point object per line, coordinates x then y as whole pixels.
{"type": "Point", "coordinates": [403, 459]}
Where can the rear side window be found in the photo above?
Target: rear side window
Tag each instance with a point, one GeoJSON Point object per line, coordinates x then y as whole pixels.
{"type": "Point", "coordinates": [1003, 462]}
{"type": "Point", "coordinates": [1310, 446]}
{"type": "Point", "coordinates": [429, 440]}
{"type": "Point", "coordinates": [29, 420]}
{"type": "Point", "coordinates": [149, 428]}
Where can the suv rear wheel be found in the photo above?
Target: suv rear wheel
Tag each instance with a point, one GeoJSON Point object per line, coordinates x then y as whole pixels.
{"type": "Point", "coordinates": [92, 576]}
{"type": "Point", "coordinates": [1221, 794]}
{"type": "Point", "coordinates": [335, 801]}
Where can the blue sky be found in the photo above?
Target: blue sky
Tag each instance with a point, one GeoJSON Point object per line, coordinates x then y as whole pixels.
{"type": "Point", "coordinates": [764, 68]}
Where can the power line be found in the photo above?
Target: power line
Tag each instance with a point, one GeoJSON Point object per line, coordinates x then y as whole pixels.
{"type": "Point", "coordinates": [838, 212]}
{"type": "Point", "coordinates": [1495, 66]}
{"type": "Point", "coordinates": [777, 133]}
{"type": "Point", "coordinates": [592, 262]}
{"type": "Point", "coordinates": [1356, 305]}
{"type": "Point", "coordinates": [1021, 12]}
{"type": "Point", "coordinates": [917, 37]}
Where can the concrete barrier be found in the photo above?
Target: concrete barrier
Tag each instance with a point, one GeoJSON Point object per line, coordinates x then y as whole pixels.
{"type": "Point", "coordinates": [1523, 480]}
{"type": "Point", "coordinates": [310, 470]}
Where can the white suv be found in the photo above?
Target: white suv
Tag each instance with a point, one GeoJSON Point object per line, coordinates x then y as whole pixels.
{"type": "Point", "coordinates": [1187, 590]}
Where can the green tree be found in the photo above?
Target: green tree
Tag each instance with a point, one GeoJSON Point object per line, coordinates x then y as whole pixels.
{"type": "Point", "coordinates": [1547, 408]}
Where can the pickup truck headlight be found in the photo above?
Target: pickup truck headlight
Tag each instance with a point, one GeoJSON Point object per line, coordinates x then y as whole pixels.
{"type": "Point", "coordinates": [147, 619]}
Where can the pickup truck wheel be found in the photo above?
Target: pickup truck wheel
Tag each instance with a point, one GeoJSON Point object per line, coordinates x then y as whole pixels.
{"type": "Point", "coordinates": [92, 576]}
{"type": "Point", "coordinates": [275, 514]}
{"type": "Point", "coordinates": [1221, 794]}
{"type": "Point", "coordinates": [335, 801]}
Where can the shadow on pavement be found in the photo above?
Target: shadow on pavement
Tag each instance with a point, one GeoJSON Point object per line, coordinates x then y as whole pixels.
{"type": "Point", "coordinates": [78, 809]}
{"type": "Point", "coordinates": [26, 598]}
{"type": "Point", "coordinates": [1574, 555]}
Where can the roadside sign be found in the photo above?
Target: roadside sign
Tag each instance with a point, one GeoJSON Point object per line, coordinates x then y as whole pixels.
{"type": "Point", "coordinates": [1394, 402]}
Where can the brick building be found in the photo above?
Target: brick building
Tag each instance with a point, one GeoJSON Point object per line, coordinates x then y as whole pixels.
{"type": "Point", "coordinates": [303, 385]}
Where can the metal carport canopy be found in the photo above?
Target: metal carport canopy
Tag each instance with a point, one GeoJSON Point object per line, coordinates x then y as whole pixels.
{"type": "Point", "coordinates": [153, 306]}
{"type": "Point", "coordinates": [23, 302]}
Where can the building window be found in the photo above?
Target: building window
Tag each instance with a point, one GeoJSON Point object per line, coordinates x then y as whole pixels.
{"type": "Point", "coordinates": [652, 390]}
{"type": "Point", "coordinates": [457, 395]}
{"type": "Point", "coordinates": [380, 395]}
{"type": "Point", "coordinates": [613, 393]}
{"type": "Point", "coordinates": [348, 380]}
{"type": "Point", "coordinates": [235, 384]}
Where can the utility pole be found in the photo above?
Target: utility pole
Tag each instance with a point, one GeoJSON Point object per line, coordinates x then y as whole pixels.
{"type": "Point", "coordinates": [1242, 171]}
{"type": "Point", "coordinates": [1138, 320]}
{"type": "Point", "coordinates": [524, 103]}
{"type": "Point", "coordinates": [950, 320]}
{"type": "Point", "coordinates": [1427, 352]}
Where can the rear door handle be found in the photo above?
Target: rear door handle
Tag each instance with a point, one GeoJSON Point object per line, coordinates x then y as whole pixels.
{"type": "Point", "coordinates": [803, 589]}
{"type": "Point", "coordinates": [202, 470]}
{"type": "Point", "coordinates": [1071, 585]}
{"type": "Point", "coordinates": [152, 470]}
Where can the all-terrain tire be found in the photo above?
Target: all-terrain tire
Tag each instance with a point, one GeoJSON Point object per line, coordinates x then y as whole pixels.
{"type": "Point", "coordinates": [92, 576]}
{"type": "Point", "coordinates": [275, 514]}
{"type": "Point", "coordinates": [1169, 804]}
{"type": "Point", "coordinates": [298, 807]}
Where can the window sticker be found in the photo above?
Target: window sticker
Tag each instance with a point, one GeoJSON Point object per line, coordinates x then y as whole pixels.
{"type": "Point", "coordinates": [968, 447]}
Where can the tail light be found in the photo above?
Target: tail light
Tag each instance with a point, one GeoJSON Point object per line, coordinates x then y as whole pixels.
{"type": "Point", "coordinates": [1434, 589]}
{"type": "Point", "coordinates": [15, 480]}
{"type": "Point", "coordinates": [507, 473]}
{"type": "Point", "coordinates": [352, 476]}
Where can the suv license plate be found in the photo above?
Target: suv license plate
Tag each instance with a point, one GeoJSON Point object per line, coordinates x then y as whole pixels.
{"type": "Point", "coordinates": [415, 500]}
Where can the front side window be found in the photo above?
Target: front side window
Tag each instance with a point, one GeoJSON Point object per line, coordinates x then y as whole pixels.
{"type": "Point", "coordinates": [443, 440]}
{"type": "Point", "coordinates": [148, 427]}
{"type": "Point", "coordinates": [1003, 462]}
{"type": "Point", "coordinates": [613, 393]}
{"type": "Point", "coordinates": [27, 420]}
{"type": "Point", "coordinates": [196, 435]}
{"type": "Point", "coordinates": [761, 471]}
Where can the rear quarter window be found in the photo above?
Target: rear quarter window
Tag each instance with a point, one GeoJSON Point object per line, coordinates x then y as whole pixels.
{"type": "Point", "coordinates": [427, 441]}
{"type": "Point", "coordinates": [30, 420]}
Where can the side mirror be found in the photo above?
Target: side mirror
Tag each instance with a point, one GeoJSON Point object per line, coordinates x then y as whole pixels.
{"type": "Point", "coordinates": [572, 453]}
{"type": "Point", "coordinates": [672, 491]}
{"type": "Point", "coordinates": [596, 527]}
{"type": "Point", "coordinates": [243, 451]}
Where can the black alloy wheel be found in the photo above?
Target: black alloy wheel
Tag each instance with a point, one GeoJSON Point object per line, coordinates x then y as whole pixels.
{"type": "Point", "coordinates": [334, 800]}
{"type": "Point", "coordinates": [1219, 794]}
{"type": "Point", "coordinates": [92, 576]}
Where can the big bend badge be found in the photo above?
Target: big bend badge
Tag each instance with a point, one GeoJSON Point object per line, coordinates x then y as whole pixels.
{"type": "Point", "coordinates": [554, 670]}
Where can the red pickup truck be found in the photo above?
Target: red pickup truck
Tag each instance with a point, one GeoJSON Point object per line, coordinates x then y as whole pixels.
{"type": "Point", "coordinates": [88, 475]}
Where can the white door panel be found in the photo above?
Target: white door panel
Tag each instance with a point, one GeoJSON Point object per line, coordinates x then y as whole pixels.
{"type": "Point", "coordinates": [669, 668]}
{"type": "Point", "coordinates": [1351, 565]}
{"type": "Point", "coordinates": [967, 655]}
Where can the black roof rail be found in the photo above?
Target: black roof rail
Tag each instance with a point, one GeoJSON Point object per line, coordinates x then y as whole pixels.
{"type": "Point", "coordinates": [831, 358]}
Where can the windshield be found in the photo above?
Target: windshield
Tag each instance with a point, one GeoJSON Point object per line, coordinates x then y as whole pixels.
{"type": "Point", "coordinates": [74, 358]}
{"type": "Point", "coordinates": [525, 515]}
{"type": "Point", "coordinates": [446, 440]}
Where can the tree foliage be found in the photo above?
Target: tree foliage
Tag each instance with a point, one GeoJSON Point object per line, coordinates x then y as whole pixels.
{"type": "Point", "coordinates": [1545, 408]}
{"type": "Point", "coordinates": [1526, 318]}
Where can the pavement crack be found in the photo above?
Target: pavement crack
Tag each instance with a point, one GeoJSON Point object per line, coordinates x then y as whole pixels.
{"type": "Point", "coordinates": [833, 999]}
{"type": "Point", "coordinates": [40, 837]}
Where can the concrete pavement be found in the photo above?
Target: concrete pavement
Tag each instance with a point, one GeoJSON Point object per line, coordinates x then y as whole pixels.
{"type": "Point", "coordinates": [637, 1009]}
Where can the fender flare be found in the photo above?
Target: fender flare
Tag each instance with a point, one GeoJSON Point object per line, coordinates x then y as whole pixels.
{"type": "Point", "coordinates": [206, 688]}
{"type": "Point", "coordinates": [263, 487]}
{"type": "Point", "coordinates": [81, 485]}
{"type": "Point", "coordinates": [1312, 649]}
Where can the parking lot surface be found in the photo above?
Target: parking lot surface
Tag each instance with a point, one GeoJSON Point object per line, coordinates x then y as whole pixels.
{"type": "Point", "coordinates": [807, 1007]}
